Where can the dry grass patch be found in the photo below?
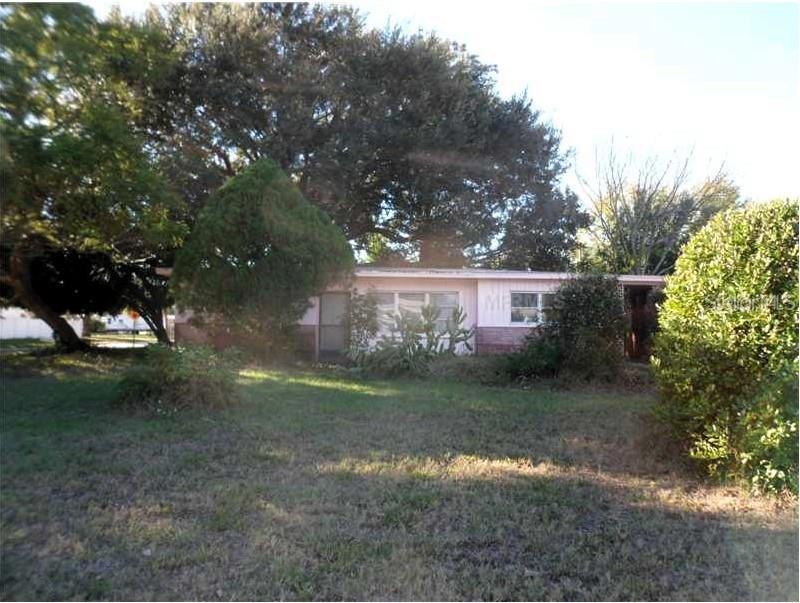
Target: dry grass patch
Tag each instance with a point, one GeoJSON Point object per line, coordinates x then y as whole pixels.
{"type": "Point", "coordinates": [320, 487]}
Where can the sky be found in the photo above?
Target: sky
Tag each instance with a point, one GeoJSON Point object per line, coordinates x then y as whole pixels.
{"type": "Point", "coordinates": [718, 81]}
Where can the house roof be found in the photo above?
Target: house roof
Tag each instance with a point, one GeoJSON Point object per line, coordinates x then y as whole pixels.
{"type": "Point", "coordinates": [480, 273]}
{"type": "Point", "coordinates": [485, 273]}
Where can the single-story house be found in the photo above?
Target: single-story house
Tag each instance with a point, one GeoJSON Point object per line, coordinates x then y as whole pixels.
{"type": "Point", "coordinates": [502, 305]}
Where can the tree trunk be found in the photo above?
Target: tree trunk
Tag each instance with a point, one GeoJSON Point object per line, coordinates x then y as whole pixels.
{"type": "Point", "coordinates": [155, 320]}
{"type": "Point", "coordinates": [19, 278]}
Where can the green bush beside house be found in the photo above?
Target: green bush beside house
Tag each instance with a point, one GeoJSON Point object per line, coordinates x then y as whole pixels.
{"type": "Point", "coordinates": [726, 353]}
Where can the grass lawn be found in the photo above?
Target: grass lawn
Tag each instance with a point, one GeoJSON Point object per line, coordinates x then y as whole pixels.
{"type": "Point", "coordinates": [320, 487]}
{"type": "Point", "coordinates": [115, 338]}
{"type": "Point", "coordinates": [24, 345]}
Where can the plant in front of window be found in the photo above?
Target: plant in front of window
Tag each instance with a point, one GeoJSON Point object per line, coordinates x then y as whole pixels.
{"type": "Point", "coordinates": [582, 337]}
{"type": "Point", "coordinates": [416, 339]}
{"type": "Point", "coordinates": [589, 322]}
{"type": "Point", "coordinates": [455, 333]}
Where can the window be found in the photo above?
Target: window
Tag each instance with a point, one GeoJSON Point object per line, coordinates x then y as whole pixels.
{"type": "Point", "coordinates": [390, 303]}
{"type": "Point", "coordinates": [547, 306]}
{"type": "Point", "coordinates": [446, 303]}
{"type": "Point", "coordinates": [410, 302]}
{"type": "Point", "coordinates": [531, 308]}
{"type": "Point", "coordinates": [386, 309]}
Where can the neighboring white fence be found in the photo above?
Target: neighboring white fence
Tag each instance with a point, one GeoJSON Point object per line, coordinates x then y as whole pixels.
{"type": "Point", "coordinates": [16, 323]}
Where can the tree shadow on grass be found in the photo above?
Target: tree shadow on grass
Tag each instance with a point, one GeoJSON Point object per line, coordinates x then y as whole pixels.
{"type": "Point", "coordinates": [355, 529]}
{"type": "Point", "coordinates": [320, 489]}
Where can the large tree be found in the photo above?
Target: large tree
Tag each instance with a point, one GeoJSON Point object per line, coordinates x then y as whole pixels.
{"type": "Point", "coordinates": [643, 215]}
{"type": "Point", "coordinates": [76, 171]}
{"type": "Point", "coordinates": [401, 136]}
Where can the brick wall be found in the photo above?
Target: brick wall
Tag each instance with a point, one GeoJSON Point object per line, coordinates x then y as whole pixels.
{"type": "Point", "coordinates": [499, 340]}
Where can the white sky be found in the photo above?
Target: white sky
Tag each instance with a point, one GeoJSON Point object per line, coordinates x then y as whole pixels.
{"type": "Point", "coordinates": [721, 80]}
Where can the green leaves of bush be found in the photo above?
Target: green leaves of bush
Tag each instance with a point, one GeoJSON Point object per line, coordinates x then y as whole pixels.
{"type": "Point", "coordinates": [726, 353]}
{"type": "Point", "coordinates": [168, 380]}
{"type": "Point", "coordinates": [258, 252]}
{"type": "Point", "coordinates": [583, 340]}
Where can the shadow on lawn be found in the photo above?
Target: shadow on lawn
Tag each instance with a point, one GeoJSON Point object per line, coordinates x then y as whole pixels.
{"type": "Point", "coordinates": [356, 535]}
{"type": "Point", "coordinates": [594, 431]}
{"type": "Point", "coordinates": [319, 488]}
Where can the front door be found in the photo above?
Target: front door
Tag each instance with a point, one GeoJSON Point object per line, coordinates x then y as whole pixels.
{"type": "Point", "coordinates": [333, 328]}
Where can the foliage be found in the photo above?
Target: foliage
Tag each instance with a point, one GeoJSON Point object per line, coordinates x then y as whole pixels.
{"type": "Point", "coordinates": [583, 336]}
{"type": "Point", "coordinates": [642, 220]}
{"type": "Point", "coordinates": [414, 341]}
{"type": "Point", "coordinates": [770, 434]}
{"type": "Point", "coordinates": [258, 252]}
{"type": "Point", "coordinates": [168, 380]}
{"type": "Point", "coordinates": [76, 173]}
{"type": "Point", "coordinates": [364, 325]}
{"type": "Point", "coordinates": [400, 135]}
{"type": "Point", "coordinates": [540, 357]}
{"type": "Point", "coordinates": [74, 282]}
{"type": "Point", "coordinates": [468, 368]}
{"type": "Point", "coordinates": [541, 235]}
{"type": "Point", "coordinates": [727, 345]}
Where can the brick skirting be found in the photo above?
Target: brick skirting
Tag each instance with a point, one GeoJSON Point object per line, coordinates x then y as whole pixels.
{"type": "Point", "coordinates": [500, 340]}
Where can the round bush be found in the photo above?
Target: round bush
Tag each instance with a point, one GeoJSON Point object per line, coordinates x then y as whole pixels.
{"type": "Point", "coordinates": [167, 380]}
{"type": "Point", "coordinates": [258, 251]}
{"type": "Point", "coordinates": [727, 341]}
{"type": "Point", "coordinates": [583, 337]}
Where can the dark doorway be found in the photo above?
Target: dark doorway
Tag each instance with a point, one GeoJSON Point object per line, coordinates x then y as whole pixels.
{"type": "Point", "coordinates": [640, 302]}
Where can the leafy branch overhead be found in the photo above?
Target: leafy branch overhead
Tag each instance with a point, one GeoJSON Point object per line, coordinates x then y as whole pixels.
{"type": "Point", "coordinates": [77, 175]}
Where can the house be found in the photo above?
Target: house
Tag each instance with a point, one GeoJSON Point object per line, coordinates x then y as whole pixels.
{"type": "Point", "coordinates": [502, 305]}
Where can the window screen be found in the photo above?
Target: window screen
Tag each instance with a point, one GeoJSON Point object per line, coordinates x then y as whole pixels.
{"type": "Point", "coordinates": [386, 309]}
{"type": "Point", "coordinates": [525, 307]}
{"type": "Point", "coordinates": [548, 313]}
{"type": "Point", "coordinates": [446, 303]}
{"type": "Point", "coordinates": [411, 302]}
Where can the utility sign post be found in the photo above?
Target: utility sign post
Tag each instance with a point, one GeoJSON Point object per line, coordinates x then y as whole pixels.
{"type": "Point", "coordinates": [134, 316]}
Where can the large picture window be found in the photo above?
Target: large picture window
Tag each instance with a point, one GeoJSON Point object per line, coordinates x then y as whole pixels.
{"type": "Point", "coordinates": [531, 307]}
{"type": "Point", "coordinates": [391, 303]}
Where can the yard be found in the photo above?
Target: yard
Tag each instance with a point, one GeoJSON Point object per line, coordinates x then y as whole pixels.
{"type": "Point", "coordinates": [324, 487]}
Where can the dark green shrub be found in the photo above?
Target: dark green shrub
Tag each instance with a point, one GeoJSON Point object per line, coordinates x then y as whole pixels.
{"type": "Point", "coordinates": [167, 380]}
{"type": "Point", "coordinates": [726, 350]}
{"type": "Point", "coordinates": [583, 338]}
{"type": "Point", "coordinates": [540, 358]}
{"type": "Point", "coordinates": [258, 251]}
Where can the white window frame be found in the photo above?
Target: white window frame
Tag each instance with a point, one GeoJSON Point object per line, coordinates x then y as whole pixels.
{"type": "Point", "coordinates": [427, 298]}
{"type": "Point", "coordinates": [540, 307]}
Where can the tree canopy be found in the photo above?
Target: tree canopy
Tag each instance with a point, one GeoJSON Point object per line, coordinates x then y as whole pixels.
{"type": "Point", "coordinates": [258, 251]}
{"type": "Point", "coordinates": [644, 215]}
{"type": "Point", "coordinates": [76, 171]}
{"type": "Point", "coordinates": [400, 136]}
